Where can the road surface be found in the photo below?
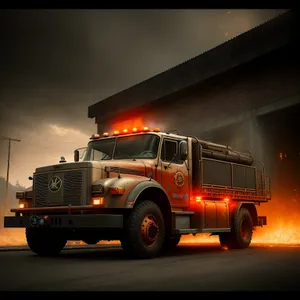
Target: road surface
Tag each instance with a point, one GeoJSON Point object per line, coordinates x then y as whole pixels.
{"type": "Point", "coordinates": [189, 268]}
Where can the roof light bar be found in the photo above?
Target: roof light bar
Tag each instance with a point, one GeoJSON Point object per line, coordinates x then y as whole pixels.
{"type": "Point", "coordinates": [127, 131]}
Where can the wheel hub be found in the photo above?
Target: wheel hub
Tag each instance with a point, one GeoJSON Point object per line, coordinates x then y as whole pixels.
{"type": "Point", "coordinates": [149, 230]}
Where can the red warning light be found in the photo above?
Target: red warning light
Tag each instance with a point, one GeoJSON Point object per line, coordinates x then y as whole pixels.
{"type": "Point", "coordinates": [198, 198]}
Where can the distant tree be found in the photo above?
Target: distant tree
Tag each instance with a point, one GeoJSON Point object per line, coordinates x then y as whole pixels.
{"type": "Point", "coordinates": [20, 186]}
{"type": "Point", "coordinates": [12, 189]}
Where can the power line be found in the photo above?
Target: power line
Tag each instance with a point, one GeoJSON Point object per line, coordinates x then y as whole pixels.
{"type": "Point", "coordinates": [18, 166]}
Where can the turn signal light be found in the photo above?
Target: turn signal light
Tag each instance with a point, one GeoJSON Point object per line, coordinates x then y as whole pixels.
{"type": "Point", "coordinates": [97, 201]}
{"type": "Point", "coordinates": [117, 191]}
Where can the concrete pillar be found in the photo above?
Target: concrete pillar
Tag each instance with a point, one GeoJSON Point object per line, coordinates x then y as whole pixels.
{"type": "Point", "coordinates": [254, 140]}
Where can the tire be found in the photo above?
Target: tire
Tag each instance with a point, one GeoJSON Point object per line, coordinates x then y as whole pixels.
{"type": "Point", "coordinates": [144, 231]}
{"type": "Point", "coordinates": [171, 242]}
{"type": "Point", "coordinates": [90, 241]}
{"type": "Point", "coordinates": [45, 242]}
{"type": "Point", "coordinates": [241, 235]}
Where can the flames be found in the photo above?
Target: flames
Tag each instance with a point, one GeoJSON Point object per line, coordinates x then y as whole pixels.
{"type": "Point", "coordinates": [12, 237]}
{"type": "Point", "coordinates": [283, 225]}
{"type": "Point", "coordinates": [283, 228]}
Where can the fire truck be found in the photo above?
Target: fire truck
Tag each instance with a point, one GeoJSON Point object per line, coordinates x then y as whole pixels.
{"type": "Point", "coordinates": [145, 188]}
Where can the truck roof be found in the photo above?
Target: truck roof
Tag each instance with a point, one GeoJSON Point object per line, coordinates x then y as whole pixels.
{"type": "Point", "coordinates": [172, 135]}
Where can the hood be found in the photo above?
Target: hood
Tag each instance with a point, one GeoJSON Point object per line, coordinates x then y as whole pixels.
{"type": "Point", "coordinates": [69, 166]}
{"type": "Point", "coordinates": [133, 167]}
{"type": "Point", "coordinates": [124, 166]}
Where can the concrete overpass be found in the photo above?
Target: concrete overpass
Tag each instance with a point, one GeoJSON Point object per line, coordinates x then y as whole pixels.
{"type": "Point", "coordinates": [233, 84]}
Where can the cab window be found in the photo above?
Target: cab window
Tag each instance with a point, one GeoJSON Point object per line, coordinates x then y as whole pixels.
{"type": "Point", "coordinates": [169, 151]}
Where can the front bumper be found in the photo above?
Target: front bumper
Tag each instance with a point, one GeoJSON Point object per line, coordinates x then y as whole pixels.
{"type": "Point", "coordinates": [95, 221]}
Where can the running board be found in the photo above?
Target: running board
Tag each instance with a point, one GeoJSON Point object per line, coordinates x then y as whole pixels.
{"type": "Point", "coordinates": [213, 231]}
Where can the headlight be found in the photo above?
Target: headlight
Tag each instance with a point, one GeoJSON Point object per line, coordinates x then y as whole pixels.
{"type": "Point", "coordinates": [98, 189]}
{"type": "Point", "coordinates": [28, 195]}
{"type": "Point", "coordinates": [20, 195]}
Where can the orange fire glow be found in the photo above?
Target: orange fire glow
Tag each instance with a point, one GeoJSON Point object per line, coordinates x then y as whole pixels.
{"type": "Point", "coordinates": [283, 225]}
{"type": "Point", "coordinates": [132, 123]}
{"type": "Point", "coordinates": [283, 228]}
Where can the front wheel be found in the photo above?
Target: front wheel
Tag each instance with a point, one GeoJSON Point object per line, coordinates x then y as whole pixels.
{"type": "Point", "coordinates": [45, 242]}
{"type": "Point", "coordinates": [241, 235]}
{"type": "Point", "coordinates": [144, 231]}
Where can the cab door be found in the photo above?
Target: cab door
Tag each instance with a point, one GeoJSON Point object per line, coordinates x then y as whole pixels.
{"type": "Point", "coordinates": [174, 174]}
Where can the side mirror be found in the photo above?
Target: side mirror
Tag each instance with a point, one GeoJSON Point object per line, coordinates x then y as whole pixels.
{"type": "Point", "coordinates": [76, 155]}
{"type": "Point", "coordinates": [183, 150]}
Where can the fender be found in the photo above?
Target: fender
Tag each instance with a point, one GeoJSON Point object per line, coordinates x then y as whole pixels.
{"type": "Point", "coordinates": [139, 188]}
{"type": "Point", "coordinates": [134, 185]}
{"type": "Point", "coordinates": [127, 182]}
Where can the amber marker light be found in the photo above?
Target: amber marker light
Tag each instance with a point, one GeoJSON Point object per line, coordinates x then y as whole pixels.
{"type": "Point", "coordinates": [117, 191]}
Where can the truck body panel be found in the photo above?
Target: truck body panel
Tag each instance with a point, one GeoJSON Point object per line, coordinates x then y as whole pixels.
{"type": "Point", "coordinates": [199, 189]}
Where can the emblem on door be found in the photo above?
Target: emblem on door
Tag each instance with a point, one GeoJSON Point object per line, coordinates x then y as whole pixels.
{"type": "Point", "coordinates": [179, 179]}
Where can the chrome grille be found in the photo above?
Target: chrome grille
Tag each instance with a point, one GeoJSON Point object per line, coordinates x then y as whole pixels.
{"type": "Point", "coordinates": [71, 193]}
{"type": "Point", "coordinates": [41, 189]}
{"type": "Point", "coordinates": [72, 188]}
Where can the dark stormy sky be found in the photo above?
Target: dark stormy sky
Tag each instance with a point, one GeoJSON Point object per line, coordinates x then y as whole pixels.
{"type": "Point", "coordinates": [54, 64]}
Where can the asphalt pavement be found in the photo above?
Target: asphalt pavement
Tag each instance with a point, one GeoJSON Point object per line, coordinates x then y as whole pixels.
{"type": "Point", "coordinates": [188, 268]}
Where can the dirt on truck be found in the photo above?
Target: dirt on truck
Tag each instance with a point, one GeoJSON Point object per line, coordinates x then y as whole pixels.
{"type": "Point", "coordinates": [145, 188]}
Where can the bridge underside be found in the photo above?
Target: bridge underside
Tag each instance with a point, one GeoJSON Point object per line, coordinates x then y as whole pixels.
{"type": "Point", "coordinates": [259, 87]}
{"type": "Point", "coordinates": [252, 107]}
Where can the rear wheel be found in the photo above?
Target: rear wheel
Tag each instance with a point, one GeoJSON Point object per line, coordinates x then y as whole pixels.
{"type": "Point", "coordinates": [144, 231]}
{"type": "Point", "coordinates": [241, 235]}
{"type": "Point", "coordinates": [45, 242]}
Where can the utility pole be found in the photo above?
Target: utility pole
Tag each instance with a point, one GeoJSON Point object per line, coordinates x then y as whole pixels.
{"type": "Point", "coordinates": [8, 167]}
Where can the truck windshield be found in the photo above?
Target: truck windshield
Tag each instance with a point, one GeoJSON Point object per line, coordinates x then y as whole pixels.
{"type": "Point", "coordinates": [126, 147]}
